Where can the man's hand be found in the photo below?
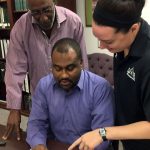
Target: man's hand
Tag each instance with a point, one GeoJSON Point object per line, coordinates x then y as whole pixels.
{"type": "Point", "coordinates": [40, 147]}
{"type": "Point", "coordinates": [88, 141]}
{"type": "Point", "coordinates": [13, 123]}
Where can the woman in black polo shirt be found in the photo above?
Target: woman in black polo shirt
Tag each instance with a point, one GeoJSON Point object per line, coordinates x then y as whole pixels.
{"type": "Point", "coordinates": [119, 27]}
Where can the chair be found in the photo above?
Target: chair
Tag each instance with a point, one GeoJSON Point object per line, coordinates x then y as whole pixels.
{"type": "Point", "coordinates": [101, 64]}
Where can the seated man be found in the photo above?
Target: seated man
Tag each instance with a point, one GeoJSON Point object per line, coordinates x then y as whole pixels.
{"type": "Point", "coordinates": [70, 101]}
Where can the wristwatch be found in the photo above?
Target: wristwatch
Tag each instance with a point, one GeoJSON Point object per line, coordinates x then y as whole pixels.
{"type": "Point", "coordinates": [102, 132]}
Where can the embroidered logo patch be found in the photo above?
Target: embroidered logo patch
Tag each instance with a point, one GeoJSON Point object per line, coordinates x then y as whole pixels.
{"type": "Point", "coordinates": [131, 73]}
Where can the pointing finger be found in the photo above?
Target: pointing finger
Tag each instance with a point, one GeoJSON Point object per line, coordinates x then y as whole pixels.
{"type": "Point", "coordinates": [76, 143]}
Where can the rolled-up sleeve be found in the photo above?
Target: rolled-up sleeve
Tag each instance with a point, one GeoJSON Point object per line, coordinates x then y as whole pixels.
{"type": "Point", "coordinates": [103, 110]}
{"type": "Point", "coordinates": [38, 123]}
{"type": "Point", "coordinates": [16, 68]}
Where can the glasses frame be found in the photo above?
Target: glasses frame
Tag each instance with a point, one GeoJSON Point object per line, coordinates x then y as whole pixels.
{"type": "Point", "coordinates": [45, 10]}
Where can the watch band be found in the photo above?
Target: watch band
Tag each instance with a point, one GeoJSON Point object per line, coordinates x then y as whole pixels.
{"type": "Point", "coordinates": [102, 132]}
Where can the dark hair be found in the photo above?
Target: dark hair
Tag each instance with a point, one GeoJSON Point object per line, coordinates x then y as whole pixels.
{"type": "Point", "coordinates": [63, 45]}
{"type": "Point", "coordinates": [121, 14]}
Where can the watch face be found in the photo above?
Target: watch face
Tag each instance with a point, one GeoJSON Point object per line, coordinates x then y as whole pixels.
{"type": "Point", "coordinates": [102, 131]}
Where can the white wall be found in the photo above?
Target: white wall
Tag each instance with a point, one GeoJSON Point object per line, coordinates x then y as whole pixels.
{"type": "Point", "coordinates": [146, 11]}
{"type": "Point", "coordinates": [91, 41]}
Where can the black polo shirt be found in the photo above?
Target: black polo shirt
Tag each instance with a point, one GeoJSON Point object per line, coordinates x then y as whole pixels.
{"type": "Point", "coordinates": [132, 85]}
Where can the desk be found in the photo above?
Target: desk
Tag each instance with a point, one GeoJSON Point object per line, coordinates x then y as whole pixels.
{"type": "Point", "coordinates": [13, 144]}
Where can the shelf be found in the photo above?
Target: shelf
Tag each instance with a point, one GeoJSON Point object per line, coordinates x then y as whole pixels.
{"type": "Point", "coordinates": [23, 112]}
{"type": "Point", "coordinates": [4, 33]}
{"type": "Point", "coordinates": [18, 14]}
{"type": "Point", "coordinates": [3, 104]}
{"type": "Point", "coordinates": [3, 1]}
{"type": "Point", "coordinates": [19, 11]}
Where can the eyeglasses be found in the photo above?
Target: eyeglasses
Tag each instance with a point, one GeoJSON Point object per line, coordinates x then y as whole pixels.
{"type": "Point", "coordinates": [44, 10]}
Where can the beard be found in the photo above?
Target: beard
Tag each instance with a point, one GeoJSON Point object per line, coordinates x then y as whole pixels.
{"type": "Point", "coordinates": [47, 25]}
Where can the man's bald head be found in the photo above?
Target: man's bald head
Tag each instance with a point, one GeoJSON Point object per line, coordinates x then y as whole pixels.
{"type": "Point", "coordinates": [38, 3]}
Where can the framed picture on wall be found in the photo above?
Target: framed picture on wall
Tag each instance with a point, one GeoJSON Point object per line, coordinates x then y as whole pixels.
{"type": "Point", "coordinates": [89, 8]}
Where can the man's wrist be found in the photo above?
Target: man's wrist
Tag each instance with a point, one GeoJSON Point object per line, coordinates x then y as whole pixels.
{"type": "Point", "coordinates": [102, 132]}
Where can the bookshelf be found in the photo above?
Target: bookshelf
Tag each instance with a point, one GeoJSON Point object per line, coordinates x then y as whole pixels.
{"type": "Point", "coordinates": [3, 2]}
{"type": "Point", "coordinates": [4, 33]}
{"type": "Point", "coordinates": [12, 10]}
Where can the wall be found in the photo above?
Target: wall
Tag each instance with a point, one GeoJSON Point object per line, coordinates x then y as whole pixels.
{"type": "Point", "coordinates": [91, 41]}
{"type": "Point", "coordinates": [146, 11]}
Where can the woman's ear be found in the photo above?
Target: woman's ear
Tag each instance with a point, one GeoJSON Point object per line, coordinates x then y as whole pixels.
{"type": "Point", "coordinates": [135, 27]}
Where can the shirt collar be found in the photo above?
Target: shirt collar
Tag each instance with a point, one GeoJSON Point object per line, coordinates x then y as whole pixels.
{"type": "Point", "coordinates": [81, 80]}
{"type": "Point", "coordinates": [61, 17]}
{"type": "Point", "coordinates": [140, 43]}
{"type": "Point", "coordinates": [79, 84]}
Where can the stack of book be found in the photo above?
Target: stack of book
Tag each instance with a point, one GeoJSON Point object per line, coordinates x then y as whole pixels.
{"type": "Point", "coordinates": [3, 47]}
{"type": "Point", "coordinates": [21, 5]}
{"type": "Point", "coordinates": [4, 19]}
